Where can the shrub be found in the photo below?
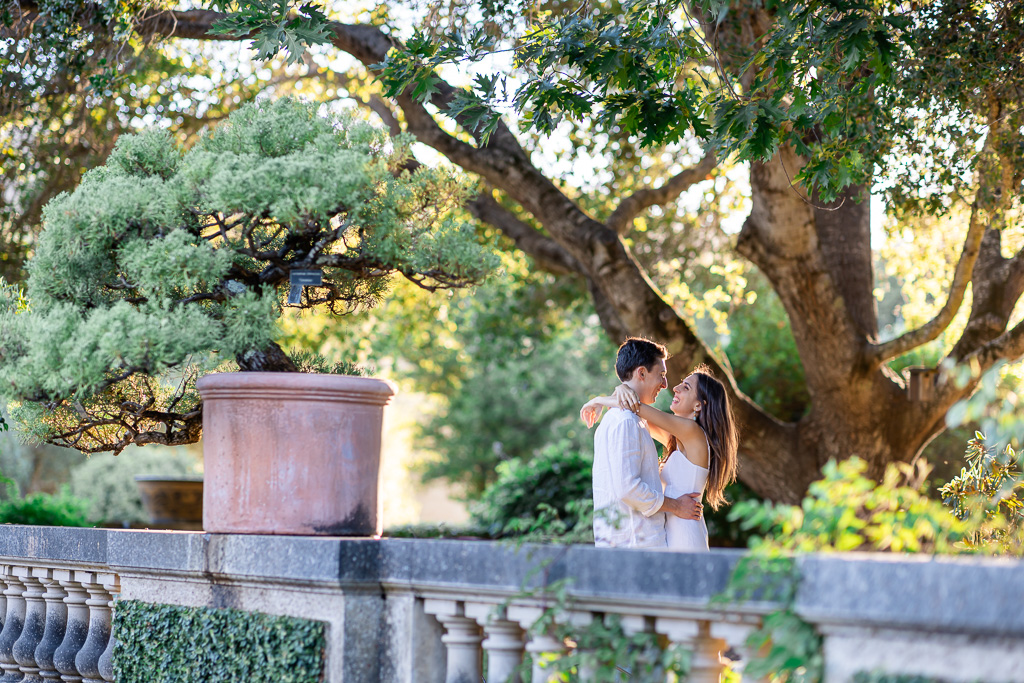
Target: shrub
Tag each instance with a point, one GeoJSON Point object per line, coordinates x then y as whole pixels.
{"type": "Point", "coordinates": [988, 494]}
{"type": "Point", "coordinates": [430, 530]}
{"type": "Point", "coordinates": [174, 644]}
{"type": "Point", "coordinates": [549, 496]}
{"type": "Point", "coordinates": [723, 531]}
{"type": "Point", "coordinates": [43, 509]}
{"type": "Point", "coordinates": [848, 511]}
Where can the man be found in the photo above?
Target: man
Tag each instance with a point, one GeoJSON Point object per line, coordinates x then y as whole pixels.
{"type": "Point", "coordinates": [629, 506]}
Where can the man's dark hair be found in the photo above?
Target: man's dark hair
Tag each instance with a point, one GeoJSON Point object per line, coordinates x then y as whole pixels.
{"type": "Point", "coordinates": [636, 352]}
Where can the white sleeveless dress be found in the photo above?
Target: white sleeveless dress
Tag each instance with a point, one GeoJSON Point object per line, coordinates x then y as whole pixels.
{"type": "Point", "coordinates": [679, 477]}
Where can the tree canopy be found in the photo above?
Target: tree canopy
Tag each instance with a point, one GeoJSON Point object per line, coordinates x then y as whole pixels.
{"type": "Point", "coordinates": [825, 100]}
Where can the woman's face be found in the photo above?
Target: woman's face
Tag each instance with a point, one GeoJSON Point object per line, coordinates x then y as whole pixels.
{"type": "Point", "coordinates": [685, 397]}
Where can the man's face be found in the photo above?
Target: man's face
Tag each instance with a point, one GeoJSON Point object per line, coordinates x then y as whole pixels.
{"type": "Point", "coordinates": [650, 382]}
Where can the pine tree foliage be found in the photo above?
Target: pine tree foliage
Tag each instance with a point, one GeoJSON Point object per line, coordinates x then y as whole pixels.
{"type": "Point", "coordinates": [164, 263]}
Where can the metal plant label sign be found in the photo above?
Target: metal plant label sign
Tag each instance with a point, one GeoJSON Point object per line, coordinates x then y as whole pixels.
{"type": "Point", "coordinates": [298, 279]}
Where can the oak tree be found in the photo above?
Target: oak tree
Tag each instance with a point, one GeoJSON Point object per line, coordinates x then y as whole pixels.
{"type": "Point", "coordinates": [825, 99]}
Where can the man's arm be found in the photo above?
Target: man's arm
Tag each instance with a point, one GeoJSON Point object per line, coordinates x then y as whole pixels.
{"type": "Point", "coordinates": [686, 507]}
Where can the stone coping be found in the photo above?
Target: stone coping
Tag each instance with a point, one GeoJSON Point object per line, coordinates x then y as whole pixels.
{"type": "Point", "coordinates": [956, 594]}
{"type": "Point", "coordinates": [946, 594]}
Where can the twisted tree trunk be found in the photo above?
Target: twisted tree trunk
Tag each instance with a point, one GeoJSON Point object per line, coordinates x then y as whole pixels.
{"type": "Point", "coordinates": [271, 359]}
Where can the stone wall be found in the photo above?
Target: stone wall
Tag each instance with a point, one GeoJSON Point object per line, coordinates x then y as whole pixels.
{"type": "Point", "coordinates": [407, 611]}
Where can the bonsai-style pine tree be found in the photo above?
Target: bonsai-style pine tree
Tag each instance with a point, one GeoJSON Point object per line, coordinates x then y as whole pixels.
{"type": "Point", "coordinates": [162, 265]}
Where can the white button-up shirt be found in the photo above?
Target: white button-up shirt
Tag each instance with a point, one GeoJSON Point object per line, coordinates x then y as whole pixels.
{"type": "Point", "coordinates": [627, 485]}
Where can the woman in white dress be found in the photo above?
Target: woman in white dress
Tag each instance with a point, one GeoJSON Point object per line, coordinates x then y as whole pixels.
{"type": "Point", "coordinates": [700, 442]}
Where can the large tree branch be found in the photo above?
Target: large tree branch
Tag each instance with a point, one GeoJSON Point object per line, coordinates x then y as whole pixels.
{"type": "Point", "coordinates": [843, 227]}
{"type": "Point", "coordinates": [546, 253]}
{"type": "Point", "coordinates": [633, 205]}
{"type": "Point", "coordinates": [1017, 268]}
{"type": "Point", "coordinates": [608, 315]}
{"type": "Point", "coordinates": [879, 353]}
{"type": "Point", "coordinates": [995, 189]}
{"type": "Point", "coordinates": [502, 161]}
{"type": "Point", "coordinates": [1007, 346]}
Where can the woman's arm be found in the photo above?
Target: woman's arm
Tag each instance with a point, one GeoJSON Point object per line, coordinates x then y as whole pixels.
{"type": "Point", "coordinates": [683, 428]}
{"type": "Point", "coordinates": [592, 410]}
{"type": "Point", "coordinates": [628, 400]}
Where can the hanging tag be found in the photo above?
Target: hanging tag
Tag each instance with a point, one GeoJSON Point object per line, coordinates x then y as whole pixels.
{"type": "Point", "coordinates": [306, 278]}
{"type": "Point", "coordinates": [299, 279]}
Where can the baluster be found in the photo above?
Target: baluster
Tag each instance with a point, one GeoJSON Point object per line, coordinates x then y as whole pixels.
{"type": "Point", "coordinates": [105, 664]}
{"type": "Point", "coordinates": [13, 623]}
{"type": "Point", "coordinates": [35, 623]}
{"type": "Point", "coordinates": [87, 659]}
{"type": "Point", "coordinates": [587, 671]}
{"type": "Point", "coordinates": [77, 625]}
{"type": "Point", "coordinates": [461, 638]}
{"type": "Point", "coordinates": [539, 645]}
{"type": "Point", "coordinates": [56, 626]}
{"type": "Point", "coordinates": [4, 571]}
{"type": "Point", "coordinates": [735, 635]}
{"type": "Point", "coordinates": [503, 641]}
{"type": "Point", "coordinates": [631, 624]}
{"type": "Point", "coordinates": [705, 666]}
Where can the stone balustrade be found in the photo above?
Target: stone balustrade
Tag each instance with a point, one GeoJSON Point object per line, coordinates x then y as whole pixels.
{"type": "Point", "coordinates": [56, 623]}
{"type": "Point", "coordinates": [412, 611]}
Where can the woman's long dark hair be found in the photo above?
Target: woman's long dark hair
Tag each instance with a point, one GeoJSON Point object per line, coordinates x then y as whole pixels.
{"type": "Point", "coordinates": [716, 419]}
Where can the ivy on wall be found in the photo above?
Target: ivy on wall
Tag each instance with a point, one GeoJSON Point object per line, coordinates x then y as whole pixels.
{"type": "Point", "coordinates": [173, 644]}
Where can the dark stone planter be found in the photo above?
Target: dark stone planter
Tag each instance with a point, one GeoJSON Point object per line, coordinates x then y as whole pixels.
{"type": "Point", "coordinates": [173, 502]}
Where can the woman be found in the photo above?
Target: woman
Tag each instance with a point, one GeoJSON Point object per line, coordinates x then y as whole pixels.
{"type": "Point", "coordinates": [700, 440]}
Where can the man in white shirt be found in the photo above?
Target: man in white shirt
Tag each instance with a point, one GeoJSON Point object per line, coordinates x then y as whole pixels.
{"type": "Point", "coordinates": [629, 506]}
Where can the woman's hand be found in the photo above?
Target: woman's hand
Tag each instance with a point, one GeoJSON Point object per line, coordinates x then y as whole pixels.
{"type": "Point", "coordinates": [627, 398]}
{"type": "Point", "coordinates": [590, 413]}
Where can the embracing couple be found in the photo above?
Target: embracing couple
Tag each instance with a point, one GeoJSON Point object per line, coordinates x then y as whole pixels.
{"type": "Point", "coordinates": [639, 500]}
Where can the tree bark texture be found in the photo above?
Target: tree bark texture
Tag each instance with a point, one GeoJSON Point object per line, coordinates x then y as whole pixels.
{"type": "Point", "coordinates": [816, 256]}
{"type": "Point", "coordinates": [271, 359]}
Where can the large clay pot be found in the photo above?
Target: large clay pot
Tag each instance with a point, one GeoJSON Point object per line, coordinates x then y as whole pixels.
{"type": "Point", "coordinates": [291, 453]}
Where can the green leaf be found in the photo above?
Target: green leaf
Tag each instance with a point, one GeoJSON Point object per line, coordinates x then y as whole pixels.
{"type": "Point", "coordinates": [763, 139]}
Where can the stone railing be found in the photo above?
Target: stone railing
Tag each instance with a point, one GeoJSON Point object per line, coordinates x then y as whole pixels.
{"type": "Point", "coordinates": [411, 611]}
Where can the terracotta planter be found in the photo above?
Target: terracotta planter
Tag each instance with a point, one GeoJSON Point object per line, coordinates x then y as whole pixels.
{"type": "Point", "coordinates": [172, 502]}
{"type": "Point", "coordinates": [291, 453]}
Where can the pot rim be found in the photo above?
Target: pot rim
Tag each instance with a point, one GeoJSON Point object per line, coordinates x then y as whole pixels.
{"type": "Point", "coordinates": [295, 386]}
{"type": "Point", "coordinates": [168, 477]}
